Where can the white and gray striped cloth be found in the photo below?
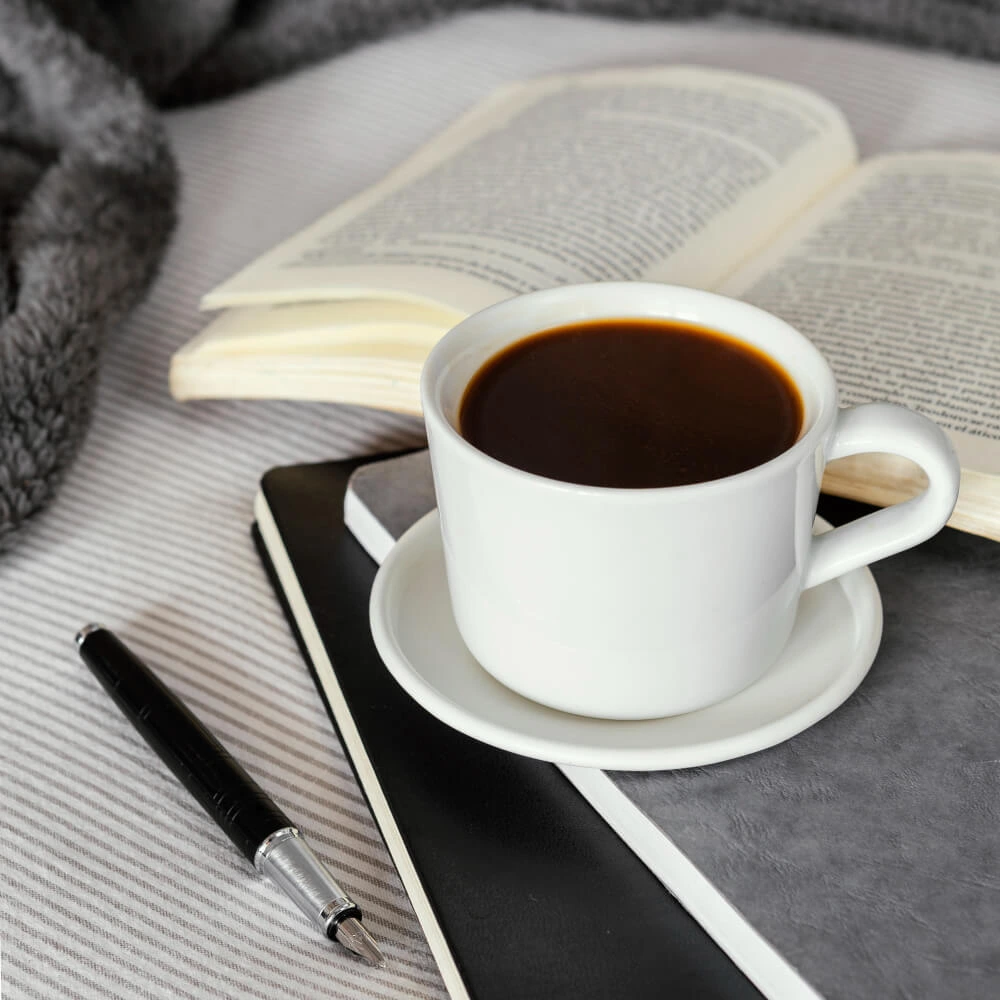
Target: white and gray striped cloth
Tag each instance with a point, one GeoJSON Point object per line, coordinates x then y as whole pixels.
{"type": "Point", "coordinates": [114, 882]}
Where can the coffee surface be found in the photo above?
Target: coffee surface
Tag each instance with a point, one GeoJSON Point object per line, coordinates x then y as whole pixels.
{"type": "Point", "coordinates": [631, 403]}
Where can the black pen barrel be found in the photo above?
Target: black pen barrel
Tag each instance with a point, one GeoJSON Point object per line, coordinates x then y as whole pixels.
{"type": "Point", "coordinates": [203, 765]}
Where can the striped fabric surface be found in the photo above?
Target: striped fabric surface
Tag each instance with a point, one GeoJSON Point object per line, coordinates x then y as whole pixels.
{"type": "Point", "coordinates": [114, 882]}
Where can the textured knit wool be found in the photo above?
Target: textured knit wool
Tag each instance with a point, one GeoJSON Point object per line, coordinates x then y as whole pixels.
{"type": "Point", "coordinates": [88, 186]}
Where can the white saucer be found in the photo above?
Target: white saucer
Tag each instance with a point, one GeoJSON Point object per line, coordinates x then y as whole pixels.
{"type": "Point", "coordinates": [834, 641]}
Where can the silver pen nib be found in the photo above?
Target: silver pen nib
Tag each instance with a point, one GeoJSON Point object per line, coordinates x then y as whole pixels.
{"type": "Point", "coordinates": [353, 936]}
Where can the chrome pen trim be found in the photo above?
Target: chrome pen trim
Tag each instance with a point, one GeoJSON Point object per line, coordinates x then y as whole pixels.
{"type": "Point", "coordinates": [288, 861]}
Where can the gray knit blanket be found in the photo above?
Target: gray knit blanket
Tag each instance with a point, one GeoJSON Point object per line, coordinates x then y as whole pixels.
{"type": "Point", "coordinates": [88, 185]}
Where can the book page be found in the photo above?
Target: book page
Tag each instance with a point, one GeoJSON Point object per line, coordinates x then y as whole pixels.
{"type": "Point", "coordinates": [671, 174]}
{"type": "Point", "coordinates": [896, 278]}
{"type": "Point", "coordinates": [317, 328]}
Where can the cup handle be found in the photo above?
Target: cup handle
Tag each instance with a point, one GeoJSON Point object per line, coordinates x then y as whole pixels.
{"type": "Point", "coordinates": [885, 427]}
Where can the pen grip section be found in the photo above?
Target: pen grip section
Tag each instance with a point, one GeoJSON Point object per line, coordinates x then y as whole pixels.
{"type": "Point", "coordinates": [200, 762]}
{"type": "Point", "coordinates": [290, 863]}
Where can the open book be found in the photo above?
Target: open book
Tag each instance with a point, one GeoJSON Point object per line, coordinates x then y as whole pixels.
{"type": "Point", "coordinates": [717, 180]}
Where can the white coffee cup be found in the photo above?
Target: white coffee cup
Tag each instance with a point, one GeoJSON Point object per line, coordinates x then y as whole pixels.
{"type": "Point", "coordinates": [641, 603]}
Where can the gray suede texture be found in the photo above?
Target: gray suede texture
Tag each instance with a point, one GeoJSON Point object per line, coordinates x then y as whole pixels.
{"type": "Point", "coordinates": [88, 186]}
{"type": "Point", "coordinates": [866, 850]}
{"type": "Point", "coordinates": [398, 491]}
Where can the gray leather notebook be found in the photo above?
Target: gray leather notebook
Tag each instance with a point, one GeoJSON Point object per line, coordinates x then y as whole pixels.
{"type": "Point", "coordinates": [860, 858]}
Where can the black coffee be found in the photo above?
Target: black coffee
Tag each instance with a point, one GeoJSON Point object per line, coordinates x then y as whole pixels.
{"type": "Point", "coordinates": [631, 403]}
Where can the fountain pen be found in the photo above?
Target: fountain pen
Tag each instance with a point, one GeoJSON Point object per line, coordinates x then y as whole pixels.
{"type": "Point", "coordinates": [262, 832]}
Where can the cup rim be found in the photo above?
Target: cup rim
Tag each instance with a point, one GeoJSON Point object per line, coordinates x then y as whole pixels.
{"type": "Point", "coordinates": [435, 370]}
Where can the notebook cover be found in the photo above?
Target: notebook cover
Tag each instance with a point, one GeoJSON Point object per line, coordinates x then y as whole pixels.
{"type": "Point", "coordinates": [525, 886]}
{"type": "Point", "coordinates": [865, 849]}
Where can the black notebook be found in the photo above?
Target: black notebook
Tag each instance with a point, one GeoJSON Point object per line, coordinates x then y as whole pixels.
{"type": "Point", "coordinates": [857, 859]}
{"type": "Point", "coordinates": [521, 888]}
